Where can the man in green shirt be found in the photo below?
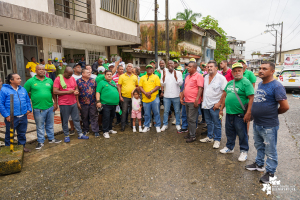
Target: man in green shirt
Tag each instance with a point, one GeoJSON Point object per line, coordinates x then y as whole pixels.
{"type": "Point", "coordinates": [40, 90]}
{"type": "Point", "coordinates": [105, 64]}
{"type": "Point", "coordinates": [237, 117]}
{"type": "Point", "coordinates": [107, 97]}
{"type": "Point", "coordinates": [248, 74]}
{"type": "Point", "coordinates": [60, 69]}
{"type": "Point", "coordinates": [100, 76]}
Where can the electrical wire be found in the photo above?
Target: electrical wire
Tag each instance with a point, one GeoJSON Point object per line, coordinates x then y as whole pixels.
{"type": "Point", "coordinates": [292, 38]}
{"type": "Point", "coordinates": [276, 11]}
{"type": "Point", "coordinates": [148, 11]}
{"type": "Point", "coordinates": [291, 32]}
{"type": "Point", "coordinates": [283, 10]}
{"type": "Point", "coordinates": [270, 11]}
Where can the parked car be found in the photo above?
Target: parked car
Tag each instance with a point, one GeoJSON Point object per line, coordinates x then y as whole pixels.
{"type": "Point", "coordinates": [289, 77]}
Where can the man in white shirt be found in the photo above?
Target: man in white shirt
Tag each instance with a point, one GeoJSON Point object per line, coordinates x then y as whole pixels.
{"type": "Point", "coordinates": [214, 85]}
{"type": "Point", "coordinates": [171, 80]}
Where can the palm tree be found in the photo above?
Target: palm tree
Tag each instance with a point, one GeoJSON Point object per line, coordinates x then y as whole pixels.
{"type": "Point", "coordinates": [188, 15]}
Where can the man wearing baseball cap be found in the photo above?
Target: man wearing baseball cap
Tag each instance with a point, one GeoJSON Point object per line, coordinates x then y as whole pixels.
{"type": "Point", "coordinates": [175, 63]}
{"type": "Point", "coordinates": [248, 74]}
{"type": "Point", "coordinates": [100, 76]}
{"type": "Point", "coordinates": [237, 94]}
{"type": "Point", "coordinates": [105, 64]}
{"type": "Point", "coordinates": [51, 69]}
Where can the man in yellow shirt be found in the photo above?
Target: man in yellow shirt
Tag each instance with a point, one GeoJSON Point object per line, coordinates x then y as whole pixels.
{"type": "Point", "coordinates": [31, 66]}
{"type": "Point", "coordinates": [50, 69]}
{"type": "Point", "coordinates": [149, 85]}
{"type": "Point", "coordinates": [126, 84]}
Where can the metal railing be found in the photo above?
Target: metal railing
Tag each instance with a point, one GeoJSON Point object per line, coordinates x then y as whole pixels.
{"type": "Point", "coordinates": [73, 9]}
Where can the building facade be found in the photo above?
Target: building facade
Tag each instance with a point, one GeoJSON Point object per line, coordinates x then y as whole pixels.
{"type": "Point", "coordinates": [238, 50]}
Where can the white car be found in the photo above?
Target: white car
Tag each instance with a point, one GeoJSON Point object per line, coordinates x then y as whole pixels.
{"type": "Point", "coordinates": [289, 77]}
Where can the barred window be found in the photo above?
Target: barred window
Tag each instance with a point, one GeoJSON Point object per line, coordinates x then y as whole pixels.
{"type": "Point", "coordinates": [124, 8]}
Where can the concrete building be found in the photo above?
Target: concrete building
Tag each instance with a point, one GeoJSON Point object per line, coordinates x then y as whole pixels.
{"type": "Point", "coordinates": [55, 28]}
{"type": "Point", "coordinates": [291, 51]}
{"type": "Point", "coordinates": [238, 50]}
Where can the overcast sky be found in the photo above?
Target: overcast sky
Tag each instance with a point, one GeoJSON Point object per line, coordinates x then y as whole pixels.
{"type": "Point", "coordinates": [243, 19]}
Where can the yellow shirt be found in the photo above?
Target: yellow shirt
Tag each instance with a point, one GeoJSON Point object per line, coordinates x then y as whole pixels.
{"type": "Point", "coordinates": [47, 67]}
{"type": "Point", "coordinates": [148, 83]}
{"type": "Point", "coordinates": [32, 66]}
{"type": "Point", "coordinates": [128, 83]}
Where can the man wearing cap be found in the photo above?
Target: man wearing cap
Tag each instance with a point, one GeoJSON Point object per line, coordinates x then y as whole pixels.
{"type": "Point", "coordinates": [152, 63]}
{"type": "Point", "coordinates": [126, 84]}
{"type": "Point", "coordinates": [51, 69]}
{"type": "Point", "coordinates": [149, 85]}
{"type": "Point", "coordinates": [97, 64]}
{"type": "Point", "coordinates": [248, 74]}
{"type": "Point", "coordinates": [176, 64]}
{"type": "Point", "coordinates": [55, 62]}
{"type": "Point", "coordinates": [31, 66]}
{"type": "Point", "coordinates": [82, 62]}
{"type": "Point", "coordinates": [64, 61]}
{"type": "Point", "coordinates": [105, 64]}
{"type": "Point", "coordinates": [100, 76]}
{"type": "Point", "coordinates": [60, 69]}
{"type": "Point", "coordinates": [77, 71]}
{"type": "Point", "coordinates": [237, 93]}
{"type": "Point", "coordinates": [227, 72]}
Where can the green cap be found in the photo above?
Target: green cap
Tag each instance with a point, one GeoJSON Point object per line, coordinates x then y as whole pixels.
{"type": "Point", "coordinates": [152, 61]}
{"type": "Point", "coordinates": [203, 65]}
{"type": "Point", "coordinates": [175, 60]}
{"type": "Point", "coordinates": [242, 61]}
{"type": "Point", "coordinates": [179, 68]}
{"type": "Point", "coordinates": [149, 66]}
{"type": "Point", "coordinates": [237, 64]}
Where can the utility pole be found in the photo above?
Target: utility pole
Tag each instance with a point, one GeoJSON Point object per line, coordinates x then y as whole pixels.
{"type": "Point", "coordinates": [281, 41]}
{"type": "Point", "coordinates": [272, 25]}
{"type": "Point", "coordinates": [167, 31]}
{"type": "Point", "coordinates": [155, 17]}
{"type": "Point", "coordinates": [275, 46]}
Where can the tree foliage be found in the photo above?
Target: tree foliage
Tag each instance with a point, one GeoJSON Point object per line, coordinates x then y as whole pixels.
{"type": "Point", "coordinates": [188, 15]}
{"type": "Point", "coordinates": [222, 47]}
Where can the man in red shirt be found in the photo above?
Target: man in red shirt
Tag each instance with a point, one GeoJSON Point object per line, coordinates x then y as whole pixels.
{"type": "Point", "coordinates": [191, 95]}
{"type": "Point", "coordinates": [66, 88]}
{"type": "Point", "coordinates": [226, 71]}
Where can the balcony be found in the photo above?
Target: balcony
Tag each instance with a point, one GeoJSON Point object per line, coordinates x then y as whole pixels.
{"type": "Point", "coordinates": [239, 48]}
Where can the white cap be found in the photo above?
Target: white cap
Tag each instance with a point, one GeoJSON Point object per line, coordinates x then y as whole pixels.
{"type": "Point", "coordinates": [111, 64]}
{"type": "Point", "coordinates": [101, 69]}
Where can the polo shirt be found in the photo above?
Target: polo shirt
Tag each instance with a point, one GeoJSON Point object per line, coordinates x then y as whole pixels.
{"type": "Point", "coordinates": [32, 66]}
{"type": "Point", "coordinates": [250, 76]}
{"type": "Point", "coordinates": [99, 78]}
{"type": "Point", "coordinates": [171, 86]}
{"type": "Point", "coordinates": [109, 95]}
{"type": "Point", "coordinates": [49, 66]}
{"type": "Point", "coordinates": [155, 72]}
{"type": "Point", "coordinates": [41, 92]}
{"type": "Point", "coordinates": [128, 83]}
{"type": "Point", "coordinates": [105, 65]}
{"type": "Point", "coordinates": [148, 83]}
{"type": "Point", "coordinates": [115, 78]}
{"type": "Point", "coordinates": [191, 87]}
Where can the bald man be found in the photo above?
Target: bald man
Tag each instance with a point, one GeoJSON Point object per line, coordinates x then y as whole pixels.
{"type": "Point", "coordinates": [97, 64]}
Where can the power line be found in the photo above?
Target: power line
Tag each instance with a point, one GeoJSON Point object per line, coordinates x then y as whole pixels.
{"type": "Point", "coordinates": [293, 38]}
{"type": "Point", "coordinates": [270, 11]}
{"type": "Point", "coordinates": [291, 32]}
{"type": "Point", "coordinates": [293, 22]}
{"type": "Point", "coordinates": [254, 37]}
{"type": "Point", "coordinates": [258, 48]}
{"type": "Point", "coordinates": [186, 4]}
{"type": "Point", "coordinates": [276, 11]}
{"type": "Point", "coordinates": [260, 42]}
{"type": "Point", "coordinates": [148, 11]}
{"type": "Point", "coordinates": [283, 10]}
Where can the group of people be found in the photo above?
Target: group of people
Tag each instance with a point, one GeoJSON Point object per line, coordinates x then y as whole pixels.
{"type": "Point", "coordinates": [95, 95]}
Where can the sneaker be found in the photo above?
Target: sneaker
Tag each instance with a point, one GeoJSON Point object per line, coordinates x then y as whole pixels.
{"type": "Point", "coordinates": [146, 129]}
{"type": "Point", "coordinates": [174, 122]}
{"type": "Point", "coordinates": [84, 137]}
{"type": "Point", "coordinates": [97, 134]}
{"type": "Point", "coordinates": [243, 156]}
{"type": "Point", "coordinates": [39, 146]}
{"type": "Point", "coordinates": [140, 130]}
{"type": "Point", "coordinates": [206, 140]}
{"type": "Point", "coordinates": [158, 129]}
{"type": "Point", "coordinates": [266, 177]}
{"type": "Point", "coordinates": [191, 139]}
{"type": "Point", "coordinates": [182, 130]}
{"type": "Point", "coordinates": [216, 145]}
{"type": "Point", "coordinates": [150, 125]}
{"type": "Point", "coordinates": [67, 139]}
{"type": "Point", "coordinates": [54, 141]}
{"type": "Point", "coordinates": [226, 150]}
{"type": "Point", "coordinates": [112, 132]}
{"type": "Point", "coordinates": [164, 128]}
{"type": "Point", "coordinates": [254, 167]}
{"type": "Point", "coordinates": [134, 129]}
{"type": "Point", "coordinates": [178, 127]}
{"type": "Point", "coordinates": [106, 135]}
{"type": "Point", "coordinates": [72, 132]}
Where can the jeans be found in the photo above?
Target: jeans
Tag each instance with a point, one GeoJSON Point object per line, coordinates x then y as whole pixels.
{"type": "Point", "coordinates": [192, 114]}
{"type": "Point", "coordinates": [20, 125]}
{"type": "Point", "coordinates": [44, 119]}
{"type": "Point", "coordinates": [52, 75]}
{"type": "Point", "coordinates": [213, 123]}
{"type": "Point", "coordinates": [184, 124]}
{"type": "Point", "coordinates": [127, 103]}
{"type": "Point", "coordinates": [265, 142]}
{"type": "Point", "coordinates": [108, 117]}
{"type": "Point", "coordinates": [154, 106]}
{"type": "Point", "coordinates": [65, 112]}
{"type": "Point", "coordinates": [89, 113]}
{"type": "Point", "coordinates": [234, 126]}
{"type": "Point", "coordinates": [199, 113]}
{"type": "Point", "coordinates": [167, 105]}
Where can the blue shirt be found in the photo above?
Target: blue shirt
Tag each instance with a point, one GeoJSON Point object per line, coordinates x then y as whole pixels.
{"type": "Point", "coordinates": [265, 104]}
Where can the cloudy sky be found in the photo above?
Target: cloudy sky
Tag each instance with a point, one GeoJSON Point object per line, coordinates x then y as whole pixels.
{"type": "Point", "coordinates": [243, 19]}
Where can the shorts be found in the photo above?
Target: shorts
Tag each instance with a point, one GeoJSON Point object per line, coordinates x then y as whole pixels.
{"type": "Point", "coordinates": [136, 114]}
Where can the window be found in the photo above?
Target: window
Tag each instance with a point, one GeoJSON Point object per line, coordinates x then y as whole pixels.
{"type": "Point", "coordinates": [124, 8]}
{"type": "Point", "coordinates": [291, 73]}
{"type": "Point", "coordinates": [78, 10]}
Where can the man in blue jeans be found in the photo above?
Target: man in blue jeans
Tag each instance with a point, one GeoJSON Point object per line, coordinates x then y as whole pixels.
{"type": "Point", "coordinates": [40, 90]}
{"type": "Point", "coordinates": [265, 112]}
{"type": "Point", "coordinates": [171, 81]}
{"type": "Point", "coordinates": [214, 85]}
{"type": "Point", "coordinates": [22, 108]}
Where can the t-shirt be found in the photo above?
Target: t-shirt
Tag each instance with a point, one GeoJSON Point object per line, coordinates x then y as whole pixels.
{"type": "Point", "coordinates": [228, 75]}
{"type": "Point", "coordinates": [48, 67]}
{"type": "Point", "coordinates": [136, 104]}
{"type": "Point", "coordinates": [32, 66]}
{"type": "Point", "coordinates": [265, 104]}
{"type": "Point", "coordinates": [76, 76]}
{"type": "Point", "coordinates": [105, 65]}
{"type": "Point", "coordinates": [191, 87]}
{"type": "Point", "coordinates": [243, 88]}
{"type": "Point", "coordinates": [93, 76]}
{"type": "Point", "coordinates": [250, 76]}
{"type": "Point", "coordinates": [99, 78]}
{"type": "Point", "coordinates": [66, 99]}
{"type": "Point", "coordinates": [116, 78]}
{"type": "Point", "coordinates": [109, 95]}
{"type": "Point", "coordinates": [60, 70]}
{"type": "Point", "coordinates": [128, 83]}
{"type": "Point", "coordinates": [155, 72]}
{"type": "Point", "coordinates": [41, 92]}
{"type": "Point", "coordinates": [148, 83]}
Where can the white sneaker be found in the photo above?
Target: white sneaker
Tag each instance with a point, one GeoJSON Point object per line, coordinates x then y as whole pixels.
{"type": "Point", "coordinates": [243, 156]}
{"type": "Point", "coordinates": [140, 130]}
{"type": "Point", "coordinates": [150, 125]}
{"type": "Point", "coordinates": [178, 127]}
{"type": "Point", "coordinates": [146, 129]}
{"type": "Point", "coordinates": [226, 150]}
{"type": "Point", "coordinates": [205, 140]}
{"type": "Point", "coordinates": [134, 129]}
{"type": "Point", "coordinates": [158, 129]}
{"type": "Point", "coordinates": [216, 145]}
{"type": "Point", "coordinates": [174, 122]}
{"type": "Point", "coordinates": [106, 135]}
{"type": "Point", "coordinates": [164, 127]}
{"type": "Point", "coordinates": [112, 131]}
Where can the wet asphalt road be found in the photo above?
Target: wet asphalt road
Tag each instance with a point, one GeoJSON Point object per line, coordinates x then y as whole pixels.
{"type": "Point", "coordinates": [151, 166]}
